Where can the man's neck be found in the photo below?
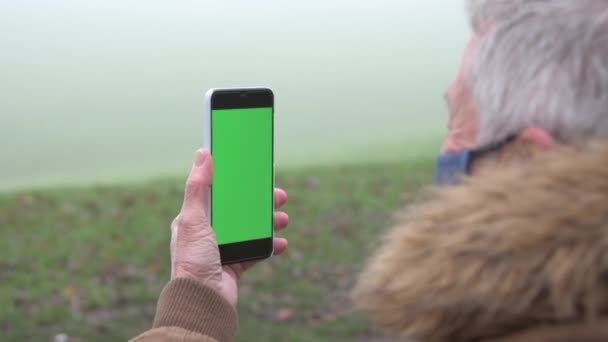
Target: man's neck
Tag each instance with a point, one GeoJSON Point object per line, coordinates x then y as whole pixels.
{"type": "Point", "coordinates": [515, 152]}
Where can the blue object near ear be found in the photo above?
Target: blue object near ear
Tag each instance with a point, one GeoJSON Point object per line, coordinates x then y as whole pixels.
{"type": "Point", "coordinates": [452, 167]}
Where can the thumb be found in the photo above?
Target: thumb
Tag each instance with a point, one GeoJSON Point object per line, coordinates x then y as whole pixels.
{"type": "Point", "coordinates": [198, 186]}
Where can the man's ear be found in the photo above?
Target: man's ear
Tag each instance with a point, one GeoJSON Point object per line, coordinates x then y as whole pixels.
{"type": "Point", "coordinates": [537, 136]}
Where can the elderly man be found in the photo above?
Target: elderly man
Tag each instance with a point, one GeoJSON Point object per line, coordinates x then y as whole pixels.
{"type": "Point", "coordinates": [516, 249]}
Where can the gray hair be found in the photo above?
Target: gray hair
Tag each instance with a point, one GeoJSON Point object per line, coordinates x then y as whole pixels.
{"type": "Point", "coordinates": [541, 63]}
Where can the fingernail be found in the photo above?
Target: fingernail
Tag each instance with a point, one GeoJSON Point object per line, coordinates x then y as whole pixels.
{"type": "Point", "coordinates": [201, 156]}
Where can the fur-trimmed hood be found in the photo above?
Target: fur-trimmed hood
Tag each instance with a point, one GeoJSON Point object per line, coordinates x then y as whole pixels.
{"type": "Point", "coordinates": [508, 250]}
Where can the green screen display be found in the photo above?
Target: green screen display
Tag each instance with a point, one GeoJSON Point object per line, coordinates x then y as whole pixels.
{"type": "Point", "coordinates": [242, 192]}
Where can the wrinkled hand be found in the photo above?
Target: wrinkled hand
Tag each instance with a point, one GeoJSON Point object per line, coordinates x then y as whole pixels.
{"type": "Point", "coordinates": [194, 250]}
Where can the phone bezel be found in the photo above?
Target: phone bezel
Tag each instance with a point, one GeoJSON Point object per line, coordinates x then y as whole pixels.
{"type": "Point", "coordinates": [236, 98]}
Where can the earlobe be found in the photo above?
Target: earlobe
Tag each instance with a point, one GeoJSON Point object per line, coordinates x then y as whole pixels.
{"type": "Point", "coordinates": [537, 136]}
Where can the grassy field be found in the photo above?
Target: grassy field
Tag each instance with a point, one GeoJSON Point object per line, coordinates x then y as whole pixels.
{"type": "Point", "coordinates": [90, 262]}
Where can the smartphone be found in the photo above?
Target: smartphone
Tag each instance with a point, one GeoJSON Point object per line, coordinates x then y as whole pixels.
{"type": "Point", "coordinates": [239, 132]}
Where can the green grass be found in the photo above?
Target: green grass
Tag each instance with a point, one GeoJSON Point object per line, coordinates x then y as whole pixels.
{"type": "Point", "coordinates": [90, 262]}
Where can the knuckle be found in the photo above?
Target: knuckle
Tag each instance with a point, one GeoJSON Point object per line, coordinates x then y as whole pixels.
{"type": "Point", "coordinates": [196, 181]}
{"type": "Point", "coordinates": [195, 191]}
{"type": "Point", "coordinates": [192, 184]}
{"type": "Point", "coordinates": [192, 221]}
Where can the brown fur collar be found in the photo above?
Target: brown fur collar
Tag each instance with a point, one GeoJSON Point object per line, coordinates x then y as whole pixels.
{"type": "Point", "coordinates": [514, 248]}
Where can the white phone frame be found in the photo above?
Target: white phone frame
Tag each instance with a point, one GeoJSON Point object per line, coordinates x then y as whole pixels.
{"type": "Point", "coordinates": [207, 143]}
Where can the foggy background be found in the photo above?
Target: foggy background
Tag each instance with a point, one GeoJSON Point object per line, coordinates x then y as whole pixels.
{"type": "Point", "coordinates": [112, 91]}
